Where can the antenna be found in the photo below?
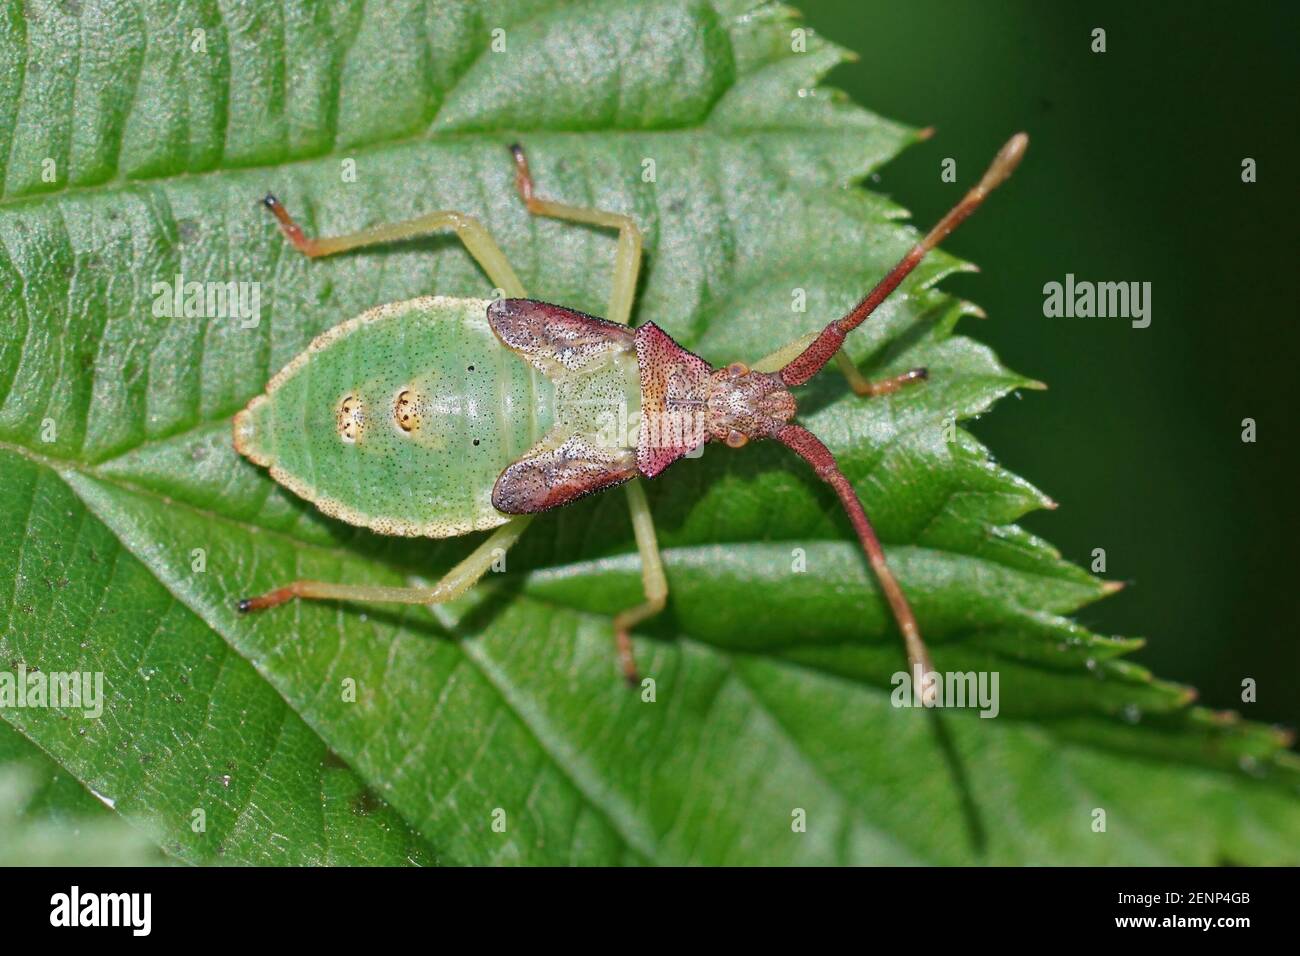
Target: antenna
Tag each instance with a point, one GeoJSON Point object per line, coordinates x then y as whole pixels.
{"type": "Point", "coordinates": [810, 361]}
{"type": "Point", "coordinates": [809, 447]}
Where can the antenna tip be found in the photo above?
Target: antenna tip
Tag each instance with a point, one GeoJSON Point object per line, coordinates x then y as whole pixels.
{"type": "Point", "coordinates": [1006, 161]}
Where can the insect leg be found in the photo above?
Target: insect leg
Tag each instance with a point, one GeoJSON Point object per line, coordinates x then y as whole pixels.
{"type": "Point", "coordinates": [470, 231]}
{"type": "Point", "coordinates": [627, 268]}
{"type": "Point", "coordinates": [889, 385]}
{"type": "Point", "coordinates": [627, 259]}
{"type": "Point", "coordinates": [453, 584]}
{"type": "Point", "coordinates": [652, 579]}
{"type": "Point", "coordinates": [775, 361]}
{"type": "Point", "coordinates": [860, 384]}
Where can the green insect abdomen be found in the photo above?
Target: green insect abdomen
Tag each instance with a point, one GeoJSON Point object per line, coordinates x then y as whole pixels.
{"type": "Point", "coordinates": [401, 419]}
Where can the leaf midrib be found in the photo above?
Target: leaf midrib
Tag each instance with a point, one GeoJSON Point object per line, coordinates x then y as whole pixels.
{"type": "Point", "coordinates": [625, 821]}
{"type": "Point", "coordinates": [338, 551]}
{"type": "Point", "coordinates": [59, 465]}
{"type": "Point", "coordinates": [450, 137]}
{"type": "Point", "coordinates": [118, 181]}
{"type": "Point", "coordinates": [622, 821]}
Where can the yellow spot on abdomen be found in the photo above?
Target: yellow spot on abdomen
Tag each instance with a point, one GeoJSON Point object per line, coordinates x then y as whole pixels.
{"type": "Point", "coordinates": [350, 418]}
{"type": "Point", "coordinates": [408, 409]}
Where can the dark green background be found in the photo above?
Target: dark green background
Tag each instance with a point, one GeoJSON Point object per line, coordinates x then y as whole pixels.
{"type": "Point", "coordinates": [1133, 174]}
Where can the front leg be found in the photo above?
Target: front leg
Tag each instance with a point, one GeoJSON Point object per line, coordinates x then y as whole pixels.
{"type": "Point", "coordinates": [860, 384]}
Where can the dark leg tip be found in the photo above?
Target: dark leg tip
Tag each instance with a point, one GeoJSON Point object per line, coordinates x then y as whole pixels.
{"type": "Point", "coordinates": [269, 201]}
{"type": "Point", "coordinates": [244, 606]}
{"type": "Point", "coordinates": [516, 149]}
{"type": "Point", "coordinates": [633, 681]}
{"type": "Point", "coordinates": [921, 373]}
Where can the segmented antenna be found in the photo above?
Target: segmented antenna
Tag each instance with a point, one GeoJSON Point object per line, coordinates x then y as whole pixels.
{"type": "Point", "coordinates": [810, 361]}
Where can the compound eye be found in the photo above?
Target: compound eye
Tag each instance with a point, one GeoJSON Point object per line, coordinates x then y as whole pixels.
{"type": "Point", "coordinates": [737, 369]}
{"type": "Point", "coordinates": [736, 439]}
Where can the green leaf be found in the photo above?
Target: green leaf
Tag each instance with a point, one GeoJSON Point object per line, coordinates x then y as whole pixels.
{"type": "Point", "coordinates": [48, 819]}
{"type": "Point", "coordinates": [772, 686]}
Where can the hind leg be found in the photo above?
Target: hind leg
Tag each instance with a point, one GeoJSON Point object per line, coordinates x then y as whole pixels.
{"type": "Point", "coordinates": [488, 254]}
{"type": "Point", "coordinates": [469, 230]}
{"type": "Point", "coordinates": [627, 256]}
{"type": "Point", "coordinates": [452, 585]}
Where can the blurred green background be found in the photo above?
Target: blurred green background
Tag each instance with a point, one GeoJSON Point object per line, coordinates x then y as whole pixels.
{"type": "Point", "coordinates": [1133, 174]}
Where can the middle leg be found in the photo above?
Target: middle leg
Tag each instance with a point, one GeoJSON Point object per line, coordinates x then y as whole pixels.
{"type": "Point", "coordinates": [627, 268]}
{"type": "Point", "coordinates": [653, 580]}
{"type": "Point", "coordinates": [627, 257]}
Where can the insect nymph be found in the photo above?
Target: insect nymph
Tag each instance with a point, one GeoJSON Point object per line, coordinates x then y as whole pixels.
{"type": "Point", "coordinates": [441, 416]}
